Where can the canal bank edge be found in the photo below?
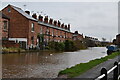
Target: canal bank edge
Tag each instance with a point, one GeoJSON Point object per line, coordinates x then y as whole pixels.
{"type": "Point", "coordinates": [83, 67]}
{"type": "Point", "coordinates": [52, 46]}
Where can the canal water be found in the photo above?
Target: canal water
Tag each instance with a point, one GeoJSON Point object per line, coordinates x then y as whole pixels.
{"type": "Point", "coordinates": [45, 64]}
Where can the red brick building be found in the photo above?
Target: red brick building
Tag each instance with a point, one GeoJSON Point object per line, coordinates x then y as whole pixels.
{"type": "Point", "coordinates": [77, 36]}
{"type": "Point", "coordinates": [23, 28]}
{"type": "Point", "coordinates": [31, 31]}
{"type": "Point", "coordinates": [4, 21]}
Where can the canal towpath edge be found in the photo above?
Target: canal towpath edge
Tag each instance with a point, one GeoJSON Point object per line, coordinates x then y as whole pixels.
{"type": "Point", "coordinates": [95, 71]}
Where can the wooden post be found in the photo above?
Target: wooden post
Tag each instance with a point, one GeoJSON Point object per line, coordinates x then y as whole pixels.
{"type": "Point", "coordinates": [115, 72]}
{"type": "Point", "coordinates": [104, 71]}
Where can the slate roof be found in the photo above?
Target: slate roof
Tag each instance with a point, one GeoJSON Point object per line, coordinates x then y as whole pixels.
{"type": "Point", "coordinates": [52, 26]}
{"type": "Point", "coordinates": [31, 18]}
{"type": "Point", "coordinates": [23, 13]}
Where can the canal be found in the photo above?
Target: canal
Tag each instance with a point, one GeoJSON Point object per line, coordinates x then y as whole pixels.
{"type": "Point", "coordinates": [45, 64]}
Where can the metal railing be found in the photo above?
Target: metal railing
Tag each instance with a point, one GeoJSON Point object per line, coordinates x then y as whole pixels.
{"type": "Point", "coordinates": [105, 73]}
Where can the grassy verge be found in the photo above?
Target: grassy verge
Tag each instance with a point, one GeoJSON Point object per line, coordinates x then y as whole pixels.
{"type": "Point", "coordinates": [12, 50]}
{"type": "Point", "coordinates": [83, 67]}
{"type": "Point", "coordinates": [19, 50]}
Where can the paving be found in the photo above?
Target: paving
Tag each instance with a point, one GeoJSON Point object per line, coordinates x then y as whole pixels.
{"type": "Point", "coordinates": [95, 71]}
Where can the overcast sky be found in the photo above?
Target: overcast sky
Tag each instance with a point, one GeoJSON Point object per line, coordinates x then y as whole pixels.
{"type": "Point", "coordinates": [96, 19]}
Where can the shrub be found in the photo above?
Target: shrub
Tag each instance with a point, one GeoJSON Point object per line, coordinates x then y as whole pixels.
{"type": "Point", "coordinates": [66, 46]}
{"type": "Point", "coordinates": [59, 46]}
{"type": "Point", "coordinates": [69, 45]}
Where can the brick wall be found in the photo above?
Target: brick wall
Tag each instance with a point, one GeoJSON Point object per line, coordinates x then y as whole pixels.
{"type": "Point", "coordinates": [18, 23]}
{"type": "Point", "coordinates": [33, 33]}
{"type": "Point", "coordinates": [4, 31]}
{"type": "Point", "coordinates": [8, 44]}
{"type": "Point", "coordinates": [20, 27]}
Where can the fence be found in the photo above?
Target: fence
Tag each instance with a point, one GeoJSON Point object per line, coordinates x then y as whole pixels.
{"type": "Point", "coordinates": [105, 73]}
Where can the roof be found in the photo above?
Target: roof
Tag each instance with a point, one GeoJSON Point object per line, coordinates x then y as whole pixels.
{"type": "Point", "coordinates": [4, 16]}
{"type": "Point", "coordinates": [52, 26]}
{"type": "Point", "coordinates": [23, 13]}
{"type": "Point", "coordinates": [31, 18]}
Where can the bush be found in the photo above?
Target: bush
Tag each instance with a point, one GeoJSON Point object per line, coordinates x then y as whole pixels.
{"type": "Point", "coordinates": [69, 45]}
{"type": "Point", "coordinates": [59, 46]}
{"type": "Point", "coordinates": [79, 45]}
{"type": "Point", "coordinates": [51, 45]}
{"type": "Point", "coordinates": [66, 46]}
{"type": "Point", "coordinates": [47, 47]}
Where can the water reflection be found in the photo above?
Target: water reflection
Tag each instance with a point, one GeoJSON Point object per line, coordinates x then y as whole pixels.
{"type": "Point", "coordinates": [45, 64]}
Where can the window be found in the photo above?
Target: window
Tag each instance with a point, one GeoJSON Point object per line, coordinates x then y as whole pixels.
{"type": "Point", "coordinates": [9, 10]}
{"type": "Point", "coordinates": [32, 27]}
{"type": "Point", "coordinates": [32, 40]}
{"type": "Point", "coordinates": [47, 31]}
{"type": "Point", "coordinates": [56, 33]}
{"type": "Point", "coordinates": [53, 32]}
{"type": "Point", "coordinates": [5, 25]}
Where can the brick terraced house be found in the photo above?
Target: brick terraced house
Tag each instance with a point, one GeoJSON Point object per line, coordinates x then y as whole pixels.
{"type": "Point", "coordinates": [31, 31]}
{"type": "Point", "coordinates": [77, 36]}
{"type": "Point", "coordinates": [4, 20]}
{"type": "Point", "coordinates": [23, 28]}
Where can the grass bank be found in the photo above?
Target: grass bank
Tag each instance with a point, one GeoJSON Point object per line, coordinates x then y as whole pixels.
{"type": "Point", "coordinates": [83, 67]}
{"type": "Point", "coordinates": [12, 50]}
{"type": "Point", "coordinates": [19, 50]}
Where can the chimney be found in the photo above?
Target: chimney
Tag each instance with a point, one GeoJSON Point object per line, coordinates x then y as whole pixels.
{"type": "Point", "coordinates": [34, 16]}
{"type": "Point", "coordinates": [68, 26]}
{"type": "Point", "coordinates": [50, 21]}
{"type": "Point", "coordinates": [46, 19]}
{"type": "Point", "coordinates": [59, 23]}
{"type": "Point", "coordinates": [76, 32]}
{"type": "Point", "coordinates": [55, 22]}
{"type": "Point", "coordinates": [28, 12]}
{"type": "Point", "coordinates": [40, 18]}
{"type": "Point", "coordinates": [62, 26]}
{"type": "Point", "coordinates": [65, 26]}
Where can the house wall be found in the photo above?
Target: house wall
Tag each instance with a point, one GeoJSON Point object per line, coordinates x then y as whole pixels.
{"type": "Point", "coordinates": [18, 23]}
{"type": "Point", "coordinates": [33, 33]}
{"type": "Point", "coordinates": [4, 31]}
{"type": "Point", "coordinates": [20, 28]}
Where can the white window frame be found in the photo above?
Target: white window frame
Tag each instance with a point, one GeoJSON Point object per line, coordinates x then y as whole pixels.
{"type": "Point", "coordinates": [32, 27]}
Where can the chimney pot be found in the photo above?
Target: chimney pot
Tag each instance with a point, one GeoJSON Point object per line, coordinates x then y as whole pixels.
{"type": "Point", "coordinates": [50, 21]}
{"type": "Point", "coordinates": [65, 26]}
{"type": "Point", "coordinates": [34, 16]}
{"type": "Point", "coordinates": [76, 32]}
{"type": "Point", "coordinates": [28, 12]}
{"type": "Point", "coordinates": [62, 26]}
{"type": "Point", "coordinates": [46, 19]}
{"type": "Point", "coordinates": [40, 18]}
{"type": "Point", "coordinates": [59, 23]}
{"type": "Point", "coordinates": [68, 26]}
{"type": "Point", "coordinates": [55, 22]}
